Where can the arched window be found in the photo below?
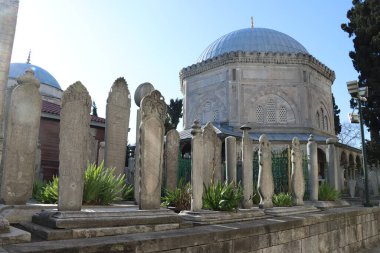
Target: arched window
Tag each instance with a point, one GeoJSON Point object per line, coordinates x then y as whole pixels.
{"type": "Point", "coordinates": [282, 114]}
{"type": "Point", "coordinates": [271, 111]}
{"type": "Point", "coordinates": [260, 114]}
{"type": "Point", "coordinates": [318, 120]}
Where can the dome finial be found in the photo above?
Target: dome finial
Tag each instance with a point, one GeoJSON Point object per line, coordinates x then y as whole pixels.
{"type": "Point", "coordinates": [251, 22]}
{"type": "Point", "coordinates": [28, 60]}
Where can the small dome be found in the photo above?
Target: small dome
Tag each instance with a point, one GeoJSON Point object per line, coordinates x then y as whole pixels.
{"type": "Point", "coordinates": [253, 40]}
{"type": "Point", "coordinates": [18, 69]}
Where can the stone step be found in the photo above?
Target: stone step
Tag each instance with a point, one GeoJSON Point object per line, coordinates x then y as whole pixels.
{"type": "Point", "coordinates": [14, 235]}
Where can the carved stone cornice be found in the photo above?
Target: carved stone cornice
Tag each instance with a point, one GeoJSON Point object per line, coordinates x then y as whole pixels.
{"type": "Point", "coordinates": [256, 57]}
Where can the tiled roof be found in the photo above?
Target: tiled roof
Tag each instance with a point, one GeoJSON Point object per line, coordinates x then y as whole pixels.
{"type": "Point", "coordinates": [54, 109]}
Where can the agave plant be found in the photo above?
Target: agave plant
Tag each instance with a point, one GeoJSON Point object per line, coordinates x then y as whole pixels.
{"type": "Point", "coordinates": [179, 198]}
{"type": "Point", "coordinates": [327, 193]}
{"type": "Point", "coordinates": [46, 192]}
{"type": "Point", "coordinates": [282, 199]}
{"type": "Point", "coordinates": [222, 196]}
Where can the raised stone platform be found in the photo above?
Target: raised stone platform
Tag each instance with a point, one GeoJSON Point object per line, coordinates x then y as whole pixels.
{"type": "Point", "coordinates": [286, 211]}
{"type": "Point", "coordinates": [328, 204]}
{"type": "Point", "coordinates": [216, 217]}
{"type": "Point", "coordinates": [97, 222]}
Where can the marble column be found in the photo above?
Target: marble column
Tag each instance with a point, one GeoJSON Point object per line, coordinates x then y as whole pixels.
{"type": "Point", "coordinates": [196, 167]}
{"type": "Point", "coordinates": [230, 148]}
{"type": "Point", "coordinates": [73, 134]}
{"type": "Point", "coordinates": [247, 160]}
{"type": "Point", "coordinates": [297, 179]}
{"type": "Point", "coordinates": [312, 166]}
{"type": "Point", "coordinates": [265, 183]}
{"type": "Point", "coordinates": [332, 164]}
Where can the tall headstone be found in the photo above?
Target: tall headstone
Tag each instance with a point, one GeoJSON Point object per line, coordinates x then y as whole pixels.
{"type": "Point", "coordinates": [265, 183]}
{"type": "Point", "coordinates": [230, 147]}
{"type": "Point", "coordinates": [152, 130]}
{"type": "Point", "coordinates": [209, 166]}
{"type": "Point", "coordinates": [21, 139]}
{"type": "Point", "coordinates": [117, 125]}
{"type": "Point", "coordinates": [171, 159]}
{"type": "Point", "coordinates": [196, 167]}
{"type": "Point", "coordinates": [218, 160]}
{"type": "Point", "coordinates": [312, 167]}
{"type": "Point", "coordinates": [297, 179]}
{"type": "Point", "coordinates": [101, 152]}
{"type": "Point", "coordinates": [73, 134]}
{"type": "Point", "coordinates": [141, 91]}
{"type": "Point", "coordinates": [92, 147]}
{"type": "Point", "coordinates": [332, 163]}
{"type": "Point", "coordinates": [247, 172]}
{"type": "Point", "coordinates": [38, 175]}
{"type": "Point", "coordinates": [8, 20]}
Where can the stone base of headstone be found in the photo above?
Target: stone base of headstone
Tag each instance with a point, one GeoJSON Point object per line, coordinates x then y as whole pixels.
{"type": "Point", "coordinates": [11, 235]}
{"type": "Point", "coordinates": [328, 204]}
{"type": "Point", "coordinates": [216, 217]}
{"type": "Point", "coordinates": [57, 225]}
{"type": "Point", "coordinates": [23, 213]}
{"type": "Point", "coordinates": [293, 210]}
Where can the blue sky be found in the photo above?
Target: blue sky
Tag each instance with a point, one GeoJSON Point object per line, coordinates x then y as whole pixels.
{"type": "Point", "coordinates": [97, 41]}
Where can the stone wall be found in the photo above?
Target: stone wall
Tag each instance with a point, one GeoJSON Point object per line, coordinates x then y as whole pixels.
{"type": "Point", "coordinates": [336, 230]}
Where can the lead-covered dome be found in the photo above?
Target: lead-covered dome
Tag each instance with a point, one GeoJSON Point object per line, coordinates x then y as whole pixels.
{"type": "Point", "coordinates": [253, 40]}
{"type": "Point", "coordinates": [18, 69]}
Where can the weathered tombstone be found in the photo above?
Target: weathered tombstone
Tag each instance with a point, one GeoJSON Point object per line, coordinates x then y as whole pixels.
{"type": "Point", "coordinates": [332, 164]}
{"type": "Point", "coordinates": [247, 172]}
{"type": "Point", "coordinates": [141, 91]}
{"type": "Point", "coordinates": [21, 138]}
{"type": "Point", "coordinates": [373, 182]}
{"type": "Point", "coordinates": [171, 159]}
{"type": "Point", "coordinates": [196, 168]}
{"type": "Point", "coordinates": [297, 179]}
{"type": "Point", "coordinates": [217, 160]}
{"type": "Point", "coordinates": [73, 134]}
{"type": "Point", "coordinates": [130, 171]}
{"type": "Point", "coordinates": [92, 147]}
{"type": "Point", "coordinates": [152, 129]}
{"type": "Point", "coordinates": [230, 147]}
{"type": "Point", "coordinates": [265, 183]}
{"type": "Point", "coordinates": [38, 175]}
{"type": "Point", "coordinates": [101, 152]}
{"type": "Point", "coordinates": [209, 167]}
{"type": "Point", "coordinates": [312, 166]}
{"type": "Point", "coordinates": [117, 124]}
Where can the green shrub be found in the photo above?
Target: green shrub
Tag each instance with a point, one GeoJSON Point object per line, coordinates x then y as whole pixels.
{"type": "Point", "coordinates": [101, 187]}
{"type": "Point", "coordinates": [282, 199]}
{"type": "Point", "coordinates": [180, 198]}
{"type": "Point", "coordinates": [222, 196]}
{"type": "Point", "coordinates": [327, 193]}
{"type": "Point", "coordinates": [46, 192]}
{"type": "Point", "coordinates": [255, 195]}
{"type": "Point", "coordinates": [129, 192]}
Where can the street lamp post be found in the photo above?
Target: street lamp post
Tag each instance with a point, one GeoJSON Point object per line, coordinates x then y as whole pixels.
{"type": "Point", "coordinates": [359, 94]}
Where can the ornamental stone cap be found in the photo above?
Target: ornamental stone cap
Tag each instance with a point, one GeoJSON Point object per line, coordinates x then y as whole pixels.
{"type": "Point", "coordinates": [141, 91]}
{"type": "Point", "coordinates": [245, 127]}
{"type": "Point", "coordinates": [311, 138]}
{"type": "Point", "coordinates": [331, 141]}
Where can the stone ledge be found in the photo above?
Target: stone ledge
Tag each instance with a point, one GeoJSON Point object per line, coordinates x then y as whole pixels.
{"type": "Point", "coordinates": [14, 235]}
{"type": "Point", "coordinates": [287, 211]}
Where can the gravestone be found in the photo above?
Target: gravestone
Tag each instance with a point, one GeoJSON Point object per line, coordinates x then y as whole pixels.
{"type": "Point", "coordinates": [117, 124]}
{"type": "Point", "coordinates": [151, 141]}
{"type": "Point", "coordinates": [247, 172]}
{"type": "Point", "coordinates": [209, 142]}
{"type": "Point", "coordinates": [21, 138]}
{"type": "Point", "coordinates": [218, 160]}
{"type": "Point", "coordinates": [196, 167]}
{"type": "Point", "coordinates": [73, 134]}
{"type": "Point", "coordinates": [230, 147]}
{"type": "Point", "coordinates": [312, 167]}
{"type": "Point", "coordinates": [101, 152]}
{"type": "Point", "coordinates": [171, 159]}
{"type": "Point", "coordinates": [92, 147]}
{"type": "Point", "coordinates": [297, 179]}
{"type": "Point", "coordinates": [332, 163]}
{"type": "Point", "coordinates": [265, 183]}
{"type": "Point", "coordinates": [141, 91]}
